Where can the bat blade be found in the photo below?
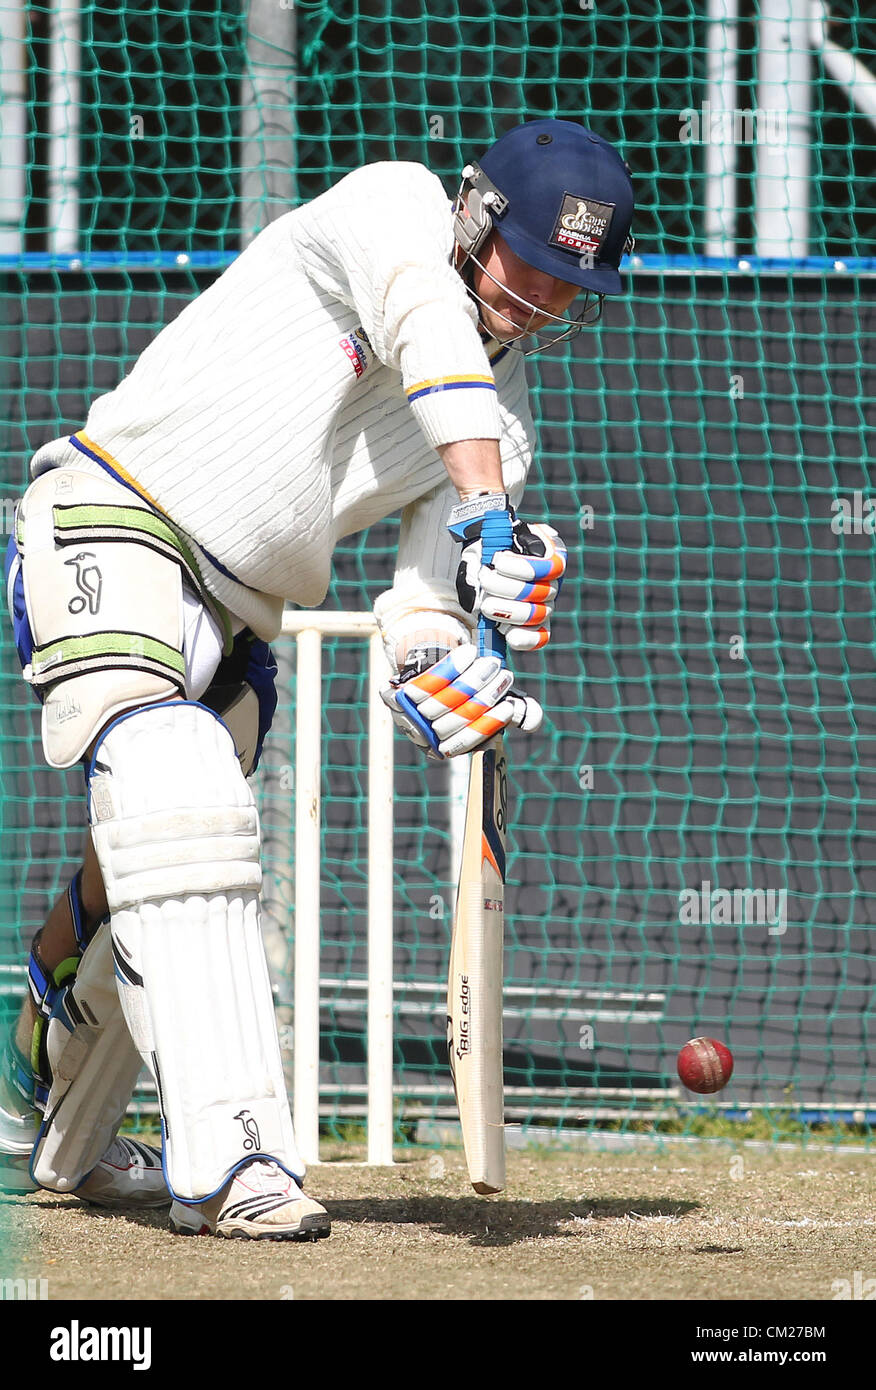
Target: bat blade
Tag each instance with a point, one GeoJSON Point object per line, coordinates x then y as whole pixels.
{"type": "Point", "coordinates": [474, 989]}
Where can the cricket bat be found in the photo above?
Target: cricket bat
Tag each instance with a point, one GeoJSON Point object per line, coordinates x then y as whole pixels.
{"type": "Point", "coordinates": [474, 988]}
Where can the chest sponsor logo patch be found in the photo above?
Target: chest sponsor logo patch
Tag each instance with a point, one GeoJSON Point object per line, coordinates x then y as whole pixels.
{"type": "Point", "coordinates": [582, 225]}
{"type": "Point", "coordinates": [357, 348]}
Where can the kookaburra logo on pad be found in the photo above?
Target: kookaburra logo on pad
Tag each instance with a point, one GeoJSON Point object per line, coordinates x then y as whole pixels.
{"type": "Point", "coordinates": [253, 1140]}
{"type": "Point", "coordinates": [582, 224]}
{"type": "Point", "coordinates": [89, 582]}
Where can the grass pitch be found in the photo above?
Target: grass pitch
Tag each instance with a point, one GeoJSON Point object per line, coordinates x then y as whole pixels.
{"type": "Point", "coordinates": [683, 1221]}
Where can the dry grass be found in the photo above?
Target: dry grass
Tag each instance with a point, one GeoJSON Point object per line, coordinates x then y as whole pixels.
{"type": "Point", "coordinates": [697, 1221]}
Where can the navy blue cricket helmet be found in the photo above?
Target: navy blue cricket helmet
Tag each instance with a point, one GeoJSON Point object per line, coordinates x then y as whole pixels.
{"type": "Point", "coordinates": [559, 195]}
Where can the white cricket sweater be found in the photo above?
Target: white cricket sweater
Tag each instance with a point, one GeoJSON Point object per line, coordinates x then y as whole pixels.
{"type": "Point", "coordinates": [301, 397]}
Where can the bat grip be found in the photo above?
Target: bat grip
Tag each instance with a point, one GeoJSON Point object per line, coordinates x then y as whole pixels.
{"type": "Point", "coordinates": [496, 535]}
{"type": "Point", "coordinates": [490, 640]}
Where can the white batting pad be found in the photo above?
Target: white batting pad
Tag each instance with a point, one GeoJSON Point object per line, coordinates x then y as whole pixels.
{"type": "Point", "coordinates": [95, 1066]}
{"type": "Point", "coordinates": [177, 837]}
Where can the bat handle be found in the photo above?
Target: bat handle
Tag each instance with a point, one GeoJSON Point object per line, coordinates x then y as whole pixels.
{"type": "Point", "coordinates": [490, 640]}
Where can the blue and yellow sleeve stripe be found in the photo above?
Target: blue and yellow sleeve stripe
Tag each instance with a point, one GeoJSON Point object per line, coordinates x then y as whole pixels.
{"type": "Point", "coordinates": [81, 441]}
{"type": "Point", "coordinates": [449, 383]}
{"type": "Point", "coordinates": [111, 465]}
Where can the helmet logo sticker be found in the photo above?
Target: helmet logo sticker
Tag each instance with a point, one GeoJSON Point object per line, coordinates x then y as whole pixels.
{"type": "Point", "coordinates": [582, 225]}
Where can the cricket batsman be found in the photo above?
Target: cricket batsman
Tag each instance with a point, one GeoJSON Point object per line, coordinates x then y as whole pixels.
{"type": "Point", "coordinates": [364, 356]}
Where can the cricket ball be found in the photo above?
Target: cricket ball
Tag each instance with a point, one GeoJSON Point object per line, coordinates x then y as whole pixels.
{"type": "Point", "coordinates": [705, 1065]}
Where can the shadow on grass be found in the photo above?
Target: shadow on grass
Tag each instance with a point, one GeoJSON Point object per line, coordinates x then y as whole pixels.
{"type": "Point", "coordinates": [484, 1222]}
{"type": "Point", "coordinates": [500, 1222]}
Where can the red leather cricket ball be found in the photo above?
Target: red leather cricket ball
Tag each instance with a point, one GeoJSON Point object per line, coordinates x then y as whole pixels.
{"type": "Point", "coordinates": [705, 1065]}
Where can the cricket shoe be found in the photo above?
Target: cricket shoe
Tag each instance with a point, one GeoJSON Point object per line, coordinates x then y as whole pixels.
{"type": "Point", "coordinates": [260, 1202]}
{"type": "Point", "coordinates": [129, 1175]}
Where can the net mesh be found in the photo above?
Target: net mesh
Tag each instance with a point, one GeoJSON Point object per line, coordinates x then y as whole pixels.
{"type": "Point", "coordinates": [691, 831]}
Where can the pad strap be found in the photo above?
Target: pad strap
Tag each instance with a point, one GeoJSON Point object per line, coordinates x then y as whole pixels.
{"type": "Point", "coordinates": [46, 988]}
{"type": "Point", "coordinates": [45, 983]}
{"type": "Point", "coordinates": [101, 651]}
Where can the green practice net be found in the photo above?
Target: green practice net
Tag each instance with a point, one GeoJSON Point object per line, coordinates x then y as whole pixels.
{"type": "Point", "coordinates": [691, 846]}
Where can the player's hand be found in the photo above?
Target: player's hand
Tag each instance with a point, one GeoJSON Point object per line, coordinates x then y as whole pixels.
{"type": "Point", "coordinates": [516, 588]}
{"type": "Point", "coordinates": [458, 703]}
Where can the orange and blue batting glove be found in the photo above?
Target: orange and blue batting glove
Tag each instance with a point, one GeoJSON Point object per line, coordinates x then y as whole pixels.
{"type": "Point", "coordinates": [459, 702]}
{"type": "Point", "coordinates": [509, 573]}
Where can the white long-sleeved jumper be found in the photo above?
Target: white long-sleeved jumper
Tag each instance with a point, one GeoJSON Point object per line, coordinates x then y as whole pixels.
{"type": "Point", "coordinates": [301, 398]}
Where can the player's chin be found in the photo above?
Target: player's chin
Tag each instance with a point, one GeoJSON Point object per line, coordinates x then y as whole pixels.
{"type": "Point", "coordinates": [505, 332]}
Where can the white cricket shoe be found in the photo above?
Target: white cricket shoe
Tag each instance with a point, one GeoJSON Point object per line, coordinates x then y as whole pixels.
{"type": "Point", "coordinates": [128, 1175]}
{"type": "Point", "coordinates": [261, 1202]}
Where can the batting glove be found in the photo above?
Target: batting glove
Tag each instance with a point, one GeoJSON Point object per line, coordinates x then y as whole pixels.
{"type": "Point", "coordinates": [458, 703]}
{"type": "Point", "coordinates": [517, 587]}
